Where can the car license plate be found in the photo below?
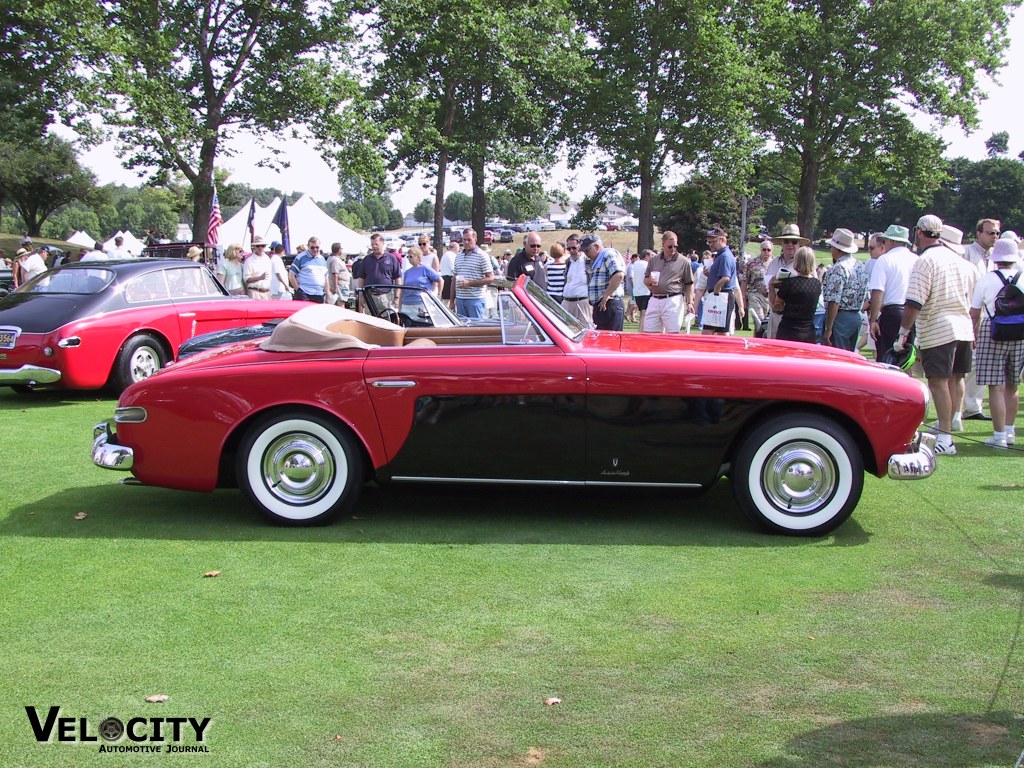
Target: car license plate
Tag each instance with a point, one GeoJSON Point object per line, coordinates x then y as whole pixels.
{"type": "Point", "coordinates": [7, 338]}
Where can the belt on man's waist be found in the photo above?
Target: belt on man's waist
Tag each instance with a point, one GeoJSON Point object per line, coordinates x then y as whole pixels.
{"type": "Point", "coordinates": [665, 295]}
{"type": "Point", "coordinates": [892, 306]}
{"type": "Point", "coordinates": [575, 298]}
{"type": "Point", "coordinates": [260, 290]}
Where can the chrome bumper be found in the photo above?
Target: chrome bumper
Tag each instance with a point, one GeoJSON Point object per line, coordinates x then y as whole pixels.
{"type": "Point", "coordinates": [107, 454]}
{"type": "Point", "coordinates": [29, 375]}
{"type": "Point", "coordinates": [919, 463]}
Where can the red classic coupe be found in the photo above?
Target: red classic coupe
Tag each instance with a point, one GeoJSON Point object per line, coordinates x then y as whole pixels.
{"type": "Point", "coordinates": [87, 325]}
{"type": "Point", "coordinates": [300, 420]}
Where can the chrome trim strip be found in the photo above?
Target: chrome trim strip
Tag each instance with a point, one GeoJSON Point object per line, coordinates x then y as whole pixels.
{"type": "Point", "coordinates": [580, 483]}
{"type": "Point", "coordinates": [393, 384]}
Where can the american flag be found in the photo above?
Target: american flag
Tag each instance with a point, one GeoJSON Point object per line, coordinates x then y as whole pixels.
{"type": "Point", "coordinates": [215, 220]}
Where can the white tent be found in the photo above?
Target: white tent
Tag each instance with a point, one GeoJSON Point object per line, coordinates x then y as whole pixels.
{"type": "Point", "coordinates": [305, 220]}
{"type": "Point", "coordinates": [84, 239]}
{"type": "Point", "coordinates": [132, 244]}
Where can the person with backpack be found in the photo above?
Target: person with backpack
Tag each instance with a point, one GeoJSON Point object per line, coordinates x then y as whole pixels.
{"type": "Point", "coordinates": [997, 309]}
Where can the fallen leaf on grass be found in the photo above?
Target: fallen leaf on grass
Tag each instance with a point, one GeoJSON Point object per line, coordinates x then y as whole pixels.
{"type": "Point", "coordinates": [534, 756]}
{"type": "Point", "coordinates": [337, 737]}
{"type": "Point", "coordinates": [552, 700]}
{"type": "Point", "coordinates": [357, 517]}
{"type": "Point", "coordinates": [157, 698]}
{"type": "Point", "coordinates": [211, 574]}
{"type": "Point", "coordinates": [80, 516]}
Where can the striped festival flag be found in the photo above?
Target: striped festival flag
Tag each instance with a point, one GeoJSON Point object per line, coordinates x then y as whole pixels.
{"type": "Point", "coordinates": [212, 231]}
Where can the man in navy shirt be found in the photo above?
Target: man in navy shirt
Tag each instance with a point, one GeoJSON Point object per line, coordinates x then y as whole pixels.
{"type": "Point", "coordinates": [377, 268]}
{"type": "Point", "coordinates": [722, 276]}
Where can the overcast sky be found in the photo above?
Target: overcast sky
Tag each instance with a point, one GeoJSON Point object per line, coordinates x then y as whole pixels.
{"type": "Point", "coordinates": [309, 174]}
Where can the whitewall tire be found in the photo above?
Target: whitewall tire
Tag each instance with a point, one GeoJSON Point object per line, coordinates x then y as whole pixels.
{"type": "Point", "coordinates": [800, 474]}
{"type": "Point", "coordinates": [299, 468]}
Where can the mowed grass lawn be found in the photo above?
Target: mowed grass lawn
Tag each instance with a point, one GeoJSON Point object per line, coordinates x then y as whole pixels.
{"type": "Point", "coordinates": [429, 628]}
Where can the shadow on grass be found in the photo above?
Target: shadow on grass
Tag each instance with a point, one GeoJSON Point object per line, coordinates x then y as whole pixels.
{"type": "Point", "coordinates": [50, 398]}
{"type": "Point", "coordinates": [939, 740]}
{"type": "Point", "coordinates": [423, 514]}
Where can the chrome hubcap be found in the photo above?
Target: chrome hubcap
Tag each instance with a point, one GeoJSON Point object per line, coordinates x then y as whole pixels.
{"type": "Point", "coordinates": [144, 364]}
{"type": "Point", "coordinates": [799, 478]}
{"type": "Point", "coordinates": [298, 468]}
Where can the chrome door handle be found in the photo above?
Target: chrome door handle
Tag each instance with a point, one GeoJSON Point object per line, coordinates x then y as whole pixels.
{"type": "Point", "coordinates": [393, 384]}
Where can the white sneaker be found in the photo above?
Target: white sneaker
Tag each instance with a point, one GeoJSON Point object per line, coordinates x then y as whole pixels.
{"type": "Point", "coordinates": [945, 449]}
{"type": "Point", "coordinates": [996, 442]}
{"type": "Point", "coordinates": [958, 425]}
{"type": "Point", "coordinates": [1011, 438]}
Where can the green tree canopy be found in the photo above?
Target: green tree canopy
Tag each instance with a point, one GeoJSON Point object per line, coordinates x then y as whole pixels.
{"type": "Point", "coordinates": [184, 74]}
{"type": "Point", "coordinates": [458, 206]}
{"type": "Point", "coordinates": [41, 175]}
{"type": "Point", "coordinates": [424, 211]}
{"type": "Point", "coordinates": [669, 84]}
{"type": "Point", "coordinates": [846, 74]}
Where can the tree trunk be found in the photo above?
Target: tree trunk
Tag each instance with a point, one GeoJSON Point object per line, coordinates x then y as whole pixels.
{"type": "Point", "coordinates": [807, 195]}
{"type": "Point", "coordinates": [202, 191]}
{"type": "Point", "coordinates": [479, 198]}
{"type": "Point", "coordinates": [645, 227]}
{"type": "Point", "coordinates": [442, 169]}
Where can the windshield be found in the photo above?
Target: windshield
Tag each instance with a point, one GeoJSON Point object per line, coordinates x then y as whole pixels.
{"type": "Point", "coordinates": [568, 325]}
{"type": "Point", "coordinates": [61, 280]}
{"type": "Point", "coordinates": [407, 306]}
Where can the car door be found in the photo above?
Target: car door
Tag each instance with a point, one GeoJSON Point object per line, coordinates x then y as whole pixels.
{"type": "Point", "coordinates": [511, 411]}
{"type": "Point", "coordinates": [202, 306]}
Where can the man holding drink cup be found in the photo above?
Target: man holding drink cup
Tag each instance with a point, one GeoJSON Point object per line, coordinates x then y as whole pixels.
{"type": "Point", "coordinates": [670, 279]}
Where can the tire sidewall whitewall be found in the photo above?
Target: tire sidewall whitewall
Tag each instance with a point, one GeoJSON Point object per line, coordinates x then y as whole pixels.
{"type": "Point", "coordinates": [848, 479]}
{"type": "Point", "coordinates": [274, 506]}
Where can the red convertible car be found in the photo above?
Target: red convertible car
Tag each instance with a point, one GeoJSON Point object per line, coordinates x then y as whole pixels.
{"type": "Point", "coordinates": [86, 325]}
{"type": "Point", "coordinates": [300, 420]}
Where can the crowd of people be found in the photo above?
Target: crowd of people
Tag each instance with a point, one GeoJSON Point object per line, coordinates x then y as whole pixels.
{"type": "Point", "coordinates": [923, 290]}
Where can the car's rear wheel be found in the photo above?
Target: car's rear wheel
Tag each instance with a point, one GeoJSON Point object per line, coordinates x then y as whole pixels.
{"type": "Point", "coordinates": [139, 358]}
{"type": "Point", "coordinates": [299, 468]}
{"type": "Point", "coordinates": [800, 474]}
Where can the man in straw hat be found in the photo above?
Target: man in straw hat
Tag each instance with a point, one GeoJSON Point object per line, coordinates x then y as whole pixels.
{"type": "Point", "coordinates": [938, 300]}
{"type": "Point", "coordinates": [256, 271]}
{"type": "Point", "coordinates": [998, 363]}
{"type": "Point", "coordinates": [791, 239]}
{"type": "Point", "coordinates": [888, 286]}
{"type": "Point", "coordinates": [843, 291]}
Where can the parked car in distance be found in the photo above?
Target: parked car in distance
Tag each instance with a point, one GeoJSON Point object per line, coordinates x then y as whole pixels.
{"type": "Point", "coordinates": [85, 326]}
{"type": "Point", "coordinates": [334, 398]}
{"type": "Point", "coordinates": [505, 235]}
{"type": "Point", "coordinates": [547, 226]}
{"type": "Point", "coordinates": [488, 237]}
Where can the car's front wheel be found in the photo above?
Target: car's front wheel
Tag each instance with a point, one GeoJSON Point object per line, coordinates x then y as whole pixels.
{"type": "Point", "coordinates": [800, 474]}
{"type": "Point", "coordinates": [139, 358]}
{"type": "Point", "coordinates": [299, 468]}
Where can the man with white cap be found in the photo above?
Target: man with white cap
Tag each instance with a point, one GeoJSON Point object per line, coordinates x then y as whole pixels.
{"type": "Point", "coordinates": [938, 300]}
{"type": "Point", "coordinates": [998, 363]}
{"type": "Point", "coordinates": [843, 291]}
{"type": "Point", "coordinates": [888, 286]}
{"type": "Point", "coordinates": [791, 239]}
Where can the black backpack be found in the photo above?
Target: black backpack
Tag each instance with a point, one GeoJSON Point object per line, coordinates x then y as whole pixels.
{"type": "Point", "coordinates": [1007, 323]}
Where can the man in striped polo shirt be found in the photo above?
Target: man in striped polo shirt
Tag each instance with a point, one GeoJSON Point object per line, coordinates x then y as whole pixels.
{"type": "Point", "coordinates": [939, 300]}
